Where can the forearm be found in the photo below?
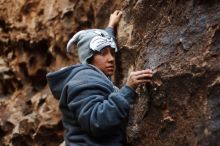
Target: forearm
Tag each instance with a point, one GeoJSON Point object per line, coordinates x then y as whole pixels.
{"type": "Point", "coordinates": [111, 32]}
{"type": "Point", "coordinates": [99, 114]}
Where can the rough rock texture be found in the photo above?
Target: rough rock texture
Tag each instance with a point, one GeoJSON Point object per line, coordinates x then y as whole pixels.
{"type": "Point", "coordinates": [179, 40]}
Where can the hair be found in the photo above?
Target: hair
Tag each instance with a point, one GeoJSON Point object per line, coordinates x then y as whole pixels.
{"type": "Point", "coordinates": [89, 60]}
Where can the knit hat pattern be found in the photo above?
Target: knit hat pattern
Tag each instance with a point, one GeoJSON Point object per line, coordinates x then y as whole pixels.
{"type": "Point", "coordinates": [85, 49]}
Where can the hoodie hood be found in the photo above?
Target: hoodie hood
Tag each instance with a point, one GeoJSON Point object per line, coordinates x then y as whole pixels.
{"type": "Point", "coordinates": [58, 79]}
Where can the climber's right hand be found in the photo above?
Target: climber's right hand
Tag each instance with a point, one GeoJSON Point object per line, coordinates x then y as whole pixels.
{"type": "Point", "coordinates": [139, 77]}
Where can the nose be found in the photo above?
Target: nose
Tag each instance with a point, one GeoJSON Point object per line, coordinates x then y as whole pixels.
{"type": "Point", "coordinates": [111, 57]}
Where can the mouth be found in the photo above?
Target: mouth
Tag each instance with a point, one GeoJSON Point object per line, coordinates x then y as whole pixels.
{"type": "Point", "coordinates": [110, 67]}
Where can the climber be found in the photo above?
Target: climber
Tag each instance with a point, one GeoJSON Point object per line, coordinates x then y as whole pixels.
{"type": "Point", "coordinates": [94, 111]}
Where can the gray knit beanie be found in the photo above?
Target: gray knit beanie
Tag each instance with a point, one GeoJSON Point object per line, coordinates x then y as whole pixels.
{"type": "Point", "coordinates": [90, 40]}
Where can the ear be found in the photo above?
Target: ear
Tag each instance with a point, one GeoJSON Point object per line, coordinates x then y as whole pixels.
{"type": "Point", "coordinates": [74, 40]}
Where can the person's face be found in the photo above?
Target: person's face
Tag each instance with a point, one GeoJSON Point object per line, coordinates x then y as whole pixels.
{"type": "Point", "coordinates": [105, 61]}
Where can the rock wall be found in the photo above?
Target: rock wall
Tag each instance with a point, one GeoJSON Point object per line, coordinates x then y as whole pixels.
{"type": "Point", "coordinates": [179, 40]}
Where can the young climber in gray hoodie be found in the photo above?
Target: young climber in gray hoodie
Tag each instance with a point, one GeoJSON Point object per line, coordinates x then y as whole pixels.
{"type": "Point", "coordinates": [94, 111]}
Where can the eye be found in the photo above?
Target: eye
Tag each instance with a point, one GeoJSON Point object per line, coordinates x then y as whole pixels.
{"type": "Point", "coordinates": [106, 51]}
{"type": "Point", "coordinates": [103, 52]}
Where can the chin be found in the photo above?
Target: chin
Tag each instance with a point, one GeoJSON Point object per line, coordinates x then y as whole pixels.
{"type": "Point", "coordinates": [109, 73]}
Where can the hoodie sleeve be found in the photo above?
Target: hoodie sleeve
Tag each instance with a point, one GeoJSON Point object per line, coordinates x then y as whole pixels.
{"type": "Point", "coordinates": [111, 32]}
{"type": "Point", "coordinates": [98, 110]}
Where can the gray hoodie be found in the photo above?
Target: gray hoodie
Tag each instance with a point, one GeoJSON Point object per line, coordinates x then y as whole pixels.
{"type": "Point", "coordinates": [93, 112]}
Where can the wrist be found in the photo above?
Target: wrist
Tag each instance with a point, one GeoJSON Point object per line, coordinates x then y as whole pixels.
{"type": "Point", "coordinates": [131, 86]}
{"type": "Point", "coordinates": [111, 25]}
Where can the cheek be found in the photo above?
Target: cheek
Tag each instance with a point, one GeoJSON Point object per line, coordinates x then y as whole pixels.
{"type": "Point", "coordinates": [97, 61]}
